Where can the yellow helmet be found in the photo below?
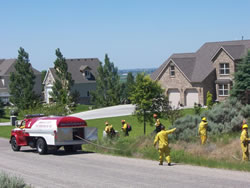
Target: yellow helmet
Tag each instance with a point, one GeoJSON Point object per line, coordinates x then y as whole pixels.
{"type": "Point", "coordinates": [245, 126]}
{"type": "Point", "coordinates": [204, 119]}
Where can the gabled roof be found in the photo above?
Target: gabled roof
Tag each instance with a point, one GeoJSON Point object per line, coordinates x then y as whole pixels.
{"type": "Point", "coordinates": [8, 65]}
{"type": "Point", "coordinates": [75, 65]}
{"type": "Point", "coordinates": [197, 66]}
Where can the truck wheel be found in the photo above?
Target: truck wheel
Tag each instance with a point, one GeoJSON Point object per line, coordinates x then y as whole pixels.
{"type": "Point", "coordinates": [41, 146]}
{"type": "Point", "coordinates": [14, 145]}
{"type": "Point", "coordinates": [69, 148]}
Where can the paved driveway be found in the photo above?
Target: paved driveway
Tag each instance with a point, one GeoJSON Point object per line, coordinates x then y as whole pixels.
{"type": "Point", "coordinates": [113, 111]}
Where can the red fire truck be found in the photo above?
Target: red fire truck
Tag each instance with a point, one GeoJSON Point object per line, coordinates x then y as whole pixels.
{"type": "Point", "coordinates": [51, 133]}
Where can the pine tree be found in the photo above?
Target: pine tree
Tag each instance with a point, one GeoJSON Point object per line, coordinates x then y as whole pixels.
{"type": "Point", "coordinates": [108, 87]}
{"type": "Point", "coordinates": [2, 111]}
{"type": "Point", "coordinates": [63, 82]}
{"type": "Point", "coordinates": [22, 82]}
{"type": "Point", "coordinates": [209, 100]}
{"type": "Point", "coordinates": [127, 87]}
{"type": "Point", "coordinates": [242, 78]}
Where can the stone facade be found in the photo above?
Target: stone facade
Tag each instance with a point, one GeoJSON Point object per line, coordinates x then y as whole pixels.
{"type": "Point", "coordinates": [180, 82]}
{"type": "Point", "coordinates": [223, 57]}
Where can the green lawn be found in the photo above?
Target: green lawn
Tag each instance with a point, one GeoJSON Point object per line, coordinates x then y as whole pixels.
{"type": "Point", "coordinates": [137, 128]}
{"type": "Point", "coordinates": [5, 131]}
{"type": "Point", "coordinates": [81, 108]}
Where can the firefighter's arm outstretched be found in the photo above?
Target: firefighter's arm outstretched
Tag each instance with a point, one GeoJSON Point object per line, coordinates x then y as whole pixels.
{"type": "Point", "coordinates": [171, 131]}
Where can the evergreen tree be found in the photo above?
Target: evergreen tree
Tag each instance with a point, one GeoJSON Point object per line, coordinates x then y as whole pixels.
{"type": "Point", "coordinates": [127, 87]}
{"type": "Point", "coordinates": [22, 82]}
{"type": "Point", "coordinates": [63, 82]}
{"type": "Point", "coordinates": [209, 100]}
{"type": "Point", "coordinates": [148, 97]}
{"type": "Point", "coordinates": [2, 111]}
{"type": "Point", "coordinates": [242, 78]}
{"type": "Point", "coordinates": [108, 87]}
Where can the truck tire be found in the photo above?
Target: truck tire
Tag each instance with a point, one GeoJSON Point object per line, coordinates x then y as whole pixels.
{"type": "Point", "coordinates": [14, 145]}
{"type": "Point", "coordinates": [41, 146]}
{"type": "Point", "coordinates": [69, 148]}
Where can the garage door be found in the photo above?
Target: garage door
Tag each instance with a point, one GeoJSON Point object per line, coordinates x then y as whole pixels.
{"type": "Point", "coordinates": [174, 97]}
{"type": "Point", "coordinates": [191, 97]}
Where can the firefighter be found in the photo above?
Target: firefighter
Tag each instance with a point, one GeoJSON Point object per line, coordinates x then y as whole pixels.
{"type": "Point", "coordinates": [109, 130]}
{"type": "Point", "coordinates": [157, 124]}
{"type": "Point", "coordinates": [163, 148]}
{"type": "Point", "coordinates": [125, 128]}
{"type": "Point", "coordinates": [203, 130]}
{"type": "Point", "coordinates": [244, 142]}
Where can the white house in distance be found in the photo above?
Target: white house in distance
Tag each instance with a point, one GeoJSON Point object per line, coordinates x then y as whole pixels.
{"type": "Point", "coordinates": [84, 73]}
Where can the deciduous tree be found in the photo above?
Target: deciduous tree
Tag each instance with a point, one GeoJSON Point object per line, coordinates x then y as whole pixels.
{"type": "Point", "coordinates": [148, 97]}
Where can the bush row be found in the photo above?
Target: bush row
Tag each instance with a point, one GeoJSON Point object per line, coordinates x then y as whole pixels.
{"type": "Point", "coordinates": [11, 182]}
{"type": "Point", "coordinates": [224, 117]}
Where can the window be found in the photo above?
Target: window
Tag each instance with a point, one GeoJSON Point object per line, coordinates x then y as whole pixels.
{"type": "Point", "coordinates": [224, 68]}
{"type": "Point", "coordinates": [223, 90]}
{"type": "Point", "coordinates": [88, 93]}
{"type": "Point", "coordinates": [172, 71]}
{"type": "Point", "coordinates": [87, 74]}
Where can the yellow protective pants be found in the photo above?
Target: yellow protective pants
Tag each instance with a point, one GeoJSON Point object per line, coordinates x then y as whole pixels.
{"type": "Point", "coordinates": [203, 139]}
{"type": "Point", "coordinates": [245, 153]}
{"type": "Point", "coordinates": [164, 152]}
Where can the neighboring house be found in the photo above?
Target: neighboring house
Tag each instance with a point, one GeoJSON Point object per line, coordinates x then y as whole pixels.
{"type": "Point", "coordinates": [6, 67]}
{"type": "Point", "coordinates": [187, 77]}
{"type": "Point", "coordinates": [84, 73]}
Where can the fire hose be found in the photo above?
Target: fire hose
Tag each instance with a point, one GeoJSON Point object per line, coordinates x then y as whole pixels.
{"type": "Point", "coordinates": [95, 144]}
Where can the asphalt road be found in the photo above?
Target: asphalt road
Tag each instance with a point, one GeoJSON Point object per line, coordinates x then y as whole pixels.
{"type": "Point", "coordinates": [95, 170]}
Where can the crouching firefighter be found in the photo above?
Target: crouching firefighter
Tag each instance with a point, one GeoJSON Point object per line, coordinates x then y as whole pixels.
{"type": "Point", "coordinates": [244, 142]}
{"type": "Point", "coordinates": [162, 139]}
{"type": "Point", "coordinates": [109, 130]}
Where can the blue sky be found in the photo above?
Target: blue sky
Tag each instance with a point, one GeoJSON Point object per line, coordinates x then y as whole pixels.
{"type": "Point", "coordinates": [134, 33]}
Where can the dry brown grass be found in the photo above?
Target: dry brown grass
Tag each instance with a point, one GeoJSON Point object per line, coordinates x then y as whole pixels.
{"type": "Point", "coordinates": [218, 150]}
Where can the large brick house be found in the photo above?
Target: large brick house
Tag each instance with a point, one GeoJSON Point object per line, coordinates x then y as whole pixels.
{"type": "Point", "coordinates": [6, 67]}
{"type": "Point", "coordinates": [84, 73]}
{"type": "Point", "coordinates": [187, 77]}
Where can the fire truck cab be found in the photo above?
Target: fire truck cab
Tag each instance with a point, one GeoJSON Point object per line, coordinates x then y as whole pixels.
{"type": "Point", "coordinates": [50, 133]}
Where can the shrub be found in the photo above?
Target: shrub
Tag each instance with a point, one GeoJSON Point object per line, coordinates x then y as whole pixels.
{"type": "Point", "coordinates": [209, 100]}
{"type": "Point", "coordinates": [225, 117]}
{"type": "Point", "coordinates": [187, 127]}
{"type": "Point", "coordinates": [11, 182]}
{"type": "Point", "coordinates": [197, 109]}
{"type": "Point", "coordinates": [52, 109]}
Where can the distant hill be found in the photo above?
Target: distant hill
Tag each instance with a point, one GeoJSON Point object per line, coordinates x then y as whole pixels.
{"type": "Point", "coordinates": [124, 72]}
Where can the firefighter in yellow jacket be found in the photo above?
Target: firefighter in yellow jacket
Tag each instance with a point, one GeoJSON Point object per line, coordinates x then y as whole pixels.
{"type": "Point", "coordinates": [109, 130]}
{"type": "Point", "coordinates": [163, 148]}
{"type": "Point", "coordinates": [244, 142]}
{"type": "Point", "coordinates": [203, 130]}
{"type": "Point", "coordinates": [125, 127]}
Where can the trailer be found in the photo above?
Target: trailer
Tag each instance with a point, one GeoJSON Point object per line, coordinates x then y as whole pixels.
{"type": "Point", "coordinates": [51, 133]}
